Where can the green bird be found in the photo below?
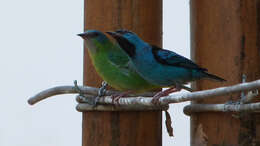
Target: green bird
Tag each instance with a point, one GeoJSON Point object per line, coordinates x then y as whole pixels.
{"type": "Point", "coordinates": [113, 65]}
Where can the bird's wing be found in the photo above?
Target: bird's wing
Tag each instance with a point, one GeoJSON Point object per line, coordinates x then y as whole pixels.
{"type": "Point", "coordinates": [120, 60]}
{"type": "Point", "coordinates": [173, 59]}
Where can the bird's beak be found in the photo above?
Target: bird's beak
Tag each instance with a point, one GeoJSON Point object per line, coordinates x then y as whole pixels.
{"type": "Point", "coordinates": [82, 34]}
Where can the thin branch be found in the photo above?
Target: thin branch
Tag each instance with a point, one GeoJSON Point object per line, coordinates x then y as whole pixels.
{"type": "Point", "coordinates": [72, 90]}
{"type": "Point", "coordinates": [178, 97]}
{"type": "Point", "coordinates": [60, 90]}
{"type": "Point", "coordinates": [144, 101]}
{"type": "Point", "coordinates": [182, 97]}
{"type": "Point", "coordinates": [195, 108]}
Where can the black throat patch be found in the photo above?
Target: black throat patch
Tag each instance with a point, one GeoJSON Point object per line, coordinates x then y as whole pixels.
{"type": "Point", "coordinates": [126, 45]}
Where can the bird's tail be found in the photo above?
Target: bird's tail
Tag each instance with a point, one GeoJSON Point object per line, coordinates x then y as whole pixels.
{"type": "Point", "coordinates": [211, 76]}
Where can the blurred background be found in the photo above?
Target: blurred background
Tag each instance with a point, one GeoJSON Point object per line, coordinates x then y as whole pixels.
{"type": "Point", "coordinates": [39, 49]}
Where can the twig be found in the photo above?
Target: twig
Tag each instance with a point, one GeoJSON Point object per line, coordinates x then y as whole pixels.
{"type": "Point", "coordinates": [195, 108]}
{"type": "Point", "coordinates": [182, 97]}
{"type": "Point", "coordinates": [60, 90]}
{"type": "Point", "coordinates": [178, 97]}
{"type": "Point", "coordinates": [142, 101]}
{"type": "Point", "coordinates": [72, 90]}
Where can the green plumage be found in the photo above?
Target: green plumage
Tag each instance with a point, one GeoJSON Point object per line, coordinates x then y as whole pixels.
{"type": "Point", "coordinates": [112, 64]}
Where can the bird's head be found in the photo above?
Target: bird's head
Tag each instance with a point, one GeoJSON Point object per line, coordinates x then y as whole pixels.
{"type": "Point", "coordinates": [125, 40]}
{"type": "Point", "coordinates": [130, 36]}
{"type": "Point", "coordinates": [93, 38]}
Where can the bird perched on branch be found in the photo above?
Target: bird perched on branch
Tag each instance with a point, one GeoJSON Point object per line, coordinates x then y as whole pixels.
{"type": "Point", "coordinates": [159, 66]}
{"type": "Point", "coordinates": [113, 65]}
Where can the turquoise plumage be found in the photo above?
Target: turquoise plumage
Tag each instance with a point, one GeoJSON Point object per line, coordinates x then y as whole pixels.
{"type": "Point", "coordinates": [112, 63]}
{"type": "Point", "coordinates": [159, 66]}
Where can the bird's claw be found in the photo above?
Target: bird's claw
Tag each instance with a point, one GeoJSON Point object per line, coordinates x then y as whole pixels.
{"type": "Point", "coordinates": [155, 100]}
{"type": "Point", "coordinates": [116, 97]}
{"type": "Point", "coordinates": [160, 94]}
{"type": "Point", "coordinates": [157, 96]}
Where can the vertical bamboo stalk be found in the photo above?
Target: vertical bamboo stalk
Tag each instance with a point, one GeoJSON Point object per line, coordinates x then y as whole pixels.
{"type": "Point", "coordinates": [122, 128]}
{"type": "Point", "coordinates": [225, 39]}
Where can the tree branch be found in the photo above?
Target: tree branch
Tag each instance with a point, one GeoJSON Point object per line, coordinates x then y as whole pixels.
{"type": "Point", "coordinates": [178, 97]}
{"type": "Point", "coordinates": [182, 97]}
{"type": "Point", "coordinates": [72, 90]}
{"type": "Point", "coordinates": [145, 101]}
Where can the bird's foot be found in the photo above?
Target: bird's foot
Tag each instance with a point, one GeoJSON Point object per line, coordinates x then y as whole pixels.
{"type": "Point", "coordinates": [116, 97]}
{"type": "Point", "coordinates": [166, 92]}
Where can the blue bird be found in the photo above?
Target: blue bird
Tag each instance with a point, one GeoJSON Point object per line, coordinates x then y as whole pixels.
{"type": "Point", "coordinates": [112, 64]}
{"type": "Point", "coordinates": [160, 66]}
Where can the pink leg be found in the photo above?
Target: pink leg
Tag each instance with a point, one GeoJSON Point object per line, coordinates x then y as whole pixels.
{"type": "Point", "coordinates": [166, 92]}
{"type": "Point", "coordinates": [116, 97]}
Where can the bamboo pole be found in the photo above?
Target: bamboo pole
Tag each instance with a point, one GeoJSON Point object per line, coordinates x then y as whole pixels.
{"type": "Point", "coordinates": [139, 128]}
{"type": "Point", "coordinates": [225, 39]}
